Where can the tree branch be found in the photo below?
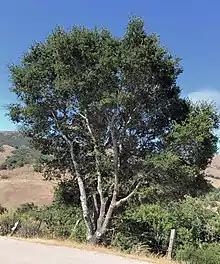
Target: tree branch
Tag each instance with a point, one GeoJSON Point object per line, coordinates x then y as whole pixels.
{"type": "Point", "coordinates": [123, 200]}
{"type": "Point", "coordinates": [115, 149]}
{"type": "Point", "coordinates": [115, 191]}
{"type": "Point", "coordinates": [95, 203]}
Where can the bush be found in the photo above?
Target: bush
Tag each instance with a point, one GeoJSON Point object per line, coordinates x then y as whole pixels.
{"type": "Point", "coordinates": [124, 242]}
{"type": "Point", "coordinates": [40, 161]}
{"type": "Point", "coordinates": [67, 192]}
{"type": "Point", "coordinates": [30, 227]}
{"type": "Point", "coordinates": [61, 221]}
{"type": "Point", "coordinates": [206, 254]}
{"type": "Point", "coordinates": [139, 229]}
{"type": "Point", "coordinates": [78, 232]}
{"type": "Point", "coordinates": [146, 226]}
{"type": "Point", "coordinates": [3, 210]}
{"type": "Point", "coordinates": [213, 196]}
{"type": "Point", "coordinates": [26, 207]}
{"type": "Point", "coordinates": [7, 221]}
{"type": "Point", "coordinates": [3, 166]}
{"type": "Point", "coordinates": [55, 221]}
{"type": "Point", "coordinates": [149, 225]}
{"type": "Point", "coordinates": [37, 167]}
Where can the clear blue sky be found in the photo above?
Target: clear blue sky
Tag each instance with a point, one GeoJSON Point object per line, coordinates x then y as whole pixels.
{"type": "Point", "coordinates": [189, 28]}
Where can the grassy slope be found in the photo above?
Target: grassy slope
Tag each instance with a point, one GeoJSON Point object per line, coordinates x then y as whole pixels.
{"type": "Point", "coordinates": [12, 138]}
{"type": "Point", "coordinates": [214, 169]}
{"type": "Point", "coordinates": [22, 185]}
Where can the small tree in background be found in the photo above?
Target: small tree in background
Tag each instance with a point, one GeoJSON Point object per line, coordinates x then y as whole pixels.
{"type": "Point", "coordinates": [1, 148]}
{"type": "Point", "coordinates": [102, 107]}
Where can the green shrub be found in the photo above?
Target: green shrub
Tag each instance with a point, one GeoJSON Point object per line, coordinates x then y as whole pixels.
{"type": "Point", "coordinates": [37, 167]}
{"type": "Point", "coordinates": [30, 227]}
{"type": "Point", "coordinates": [78, 232]}
{"type": "Point", "coordinates": [67, 192]}
{"type": "Point", "coordinates": [7, 221]}
{"type": "Point", "coordinates": [26, 207]}
{"type": "Point", "coordinates": [55, 221]}
{"type": "Point", "coordinates": [3, 210]}
{"type": "Point", "coordinates": [149, 225]}
{"type": "Point", "coordinates": [124, 242]}
{"type": "Point", "coordinates": [61, 220]}
{"type": "Point", "coordinates": [40, 161]}
{"type": "Point", "coordinates": [139, 229]}
{"type": "Point", "coordinates": [206, 254]}
{"type": "Point", "coordinates": [214, 195]}
{"type": "Point", "coordinates": [3, 166]}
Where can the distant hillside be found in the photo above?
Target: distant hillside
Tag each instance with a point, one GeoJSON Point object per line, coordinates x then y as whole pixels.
{"type": "Point", "coordinates": [6, 152]}
{"type": "Point", "coordinates": [13, 139]}
{"type": "Point", "coordinates": [213, 171]}
{"type": "Point", "coordinates": [22, 185]}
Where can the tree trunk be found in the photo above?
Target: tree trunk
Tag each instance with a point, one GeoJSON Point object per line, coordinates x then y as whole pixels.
{"type": "Point", "coordinates": [95, 239]}
{"type": "Point", "coordinates": [83, 197]}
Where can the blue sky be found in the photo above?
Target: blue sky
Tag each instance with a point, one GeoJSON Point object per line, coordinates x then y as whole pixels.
{"type": "Point", "coordinates": [189, 28]}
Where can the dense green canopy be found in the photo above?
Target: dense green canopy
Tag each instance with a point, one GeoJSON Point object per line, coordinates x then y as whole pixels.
{"type": "Point", "coordinates": [109, 111]}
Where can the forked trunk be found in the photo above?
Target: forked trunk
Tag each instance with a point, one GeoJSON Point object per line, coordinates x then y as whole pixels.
{"type": "Point", "coordinates": [95, 239]}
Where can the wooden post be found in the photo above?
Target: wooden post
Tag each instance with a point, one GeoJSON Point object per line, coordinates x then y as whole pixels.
{"type": "Point", "coordinates": [171, 243]}
{"type": "Point", "coordinates": [14, 227]}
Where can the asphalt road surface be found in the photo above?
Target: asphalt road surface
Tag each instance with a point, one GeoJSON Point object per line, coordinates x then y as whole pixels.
{"type": "Point", "coordinates": [22, 252]}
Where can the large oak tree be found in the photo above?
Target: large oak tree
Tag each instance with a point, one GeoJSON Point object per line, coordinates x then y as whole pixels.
{"type": "Point", "coordinates": [99, 105]}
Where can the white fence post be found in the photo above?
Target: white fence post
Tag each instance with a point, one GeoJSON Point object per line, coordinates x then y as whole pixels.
{"type": "Point", "coordinates": [171, 243]}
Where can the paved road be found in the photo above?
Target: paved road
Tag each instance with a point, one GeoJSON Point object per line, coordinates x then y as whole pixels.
{"type": "Point", "coordinates": [20, 252]}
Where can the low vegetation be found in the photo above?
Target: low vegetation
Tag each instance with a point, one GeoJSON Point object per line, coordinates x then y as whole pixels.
{"type": "Point", "coordinates": [143, 229]}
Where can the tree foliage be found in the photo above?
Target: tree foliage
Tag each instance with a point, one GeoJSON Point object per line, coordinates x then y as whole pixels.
{"type": "Point", "coordinates": [104, 108]}
{"type": "Point", "coordinates": [193, 140]}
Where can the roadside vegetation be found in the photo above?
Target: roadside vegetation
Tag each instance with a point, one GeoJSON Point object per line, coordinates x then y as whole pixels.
{"type": "Point", "coordinates": [108, 121]}
{"type": "Point", "coordinates": [143, 229]}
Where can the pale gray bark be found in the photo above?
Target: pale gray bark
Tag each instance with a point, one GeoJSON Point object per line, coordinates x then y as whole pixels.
{"type": "Point", "coordinates": [98, 172]}
{"type": "Point", "coordinates": [96, 230]}
{"type": "Point", "coordinates": [83, 196]}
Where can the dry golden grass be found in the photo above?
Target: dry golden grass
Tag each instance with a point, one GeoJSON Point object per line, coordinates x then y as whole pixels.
{"type": "Point", "coordinates": [7, 152]}
{"type": "Point", "coordinates": [14, 192]}
{"type": "Point", "coordinates": [111, 251]}
{"type": "Point", "coordinates": [214, 169]}
{"type": "Point", "coordinates": [23, 185]}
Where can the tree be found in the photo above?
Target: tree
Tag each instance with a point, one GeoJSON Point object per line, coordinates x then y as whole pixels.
{"type": "Point", "coordinates": [98, 104]}
{"type": "Point", "coordinates": [1, 148]}
{"type": "Point", "coordinates": [194, 140]}
{"type": "Point", "coordinates": [187, 150]}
